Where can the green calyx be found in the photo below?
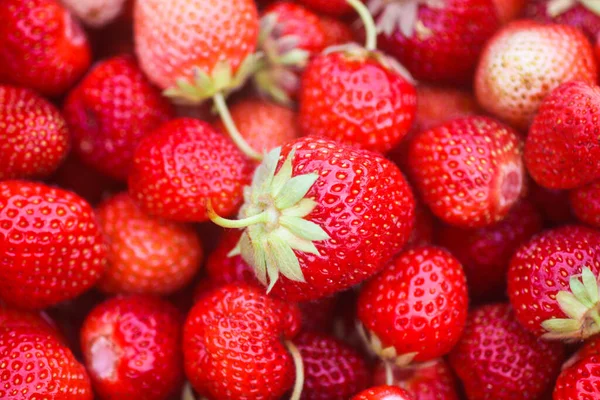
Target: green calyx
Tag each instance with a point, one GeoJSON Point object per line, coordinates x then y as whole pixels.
{"type": "Point", "coordinates": [274, 221]}
{"type": "Point", "coordinates": [581, 304]}
{"type": "Point", "coordinates": [388, 355]}
{"type": "Point", "coordinates": [401, 15]}
{"type": "Point", "coordinates": [554, 8]}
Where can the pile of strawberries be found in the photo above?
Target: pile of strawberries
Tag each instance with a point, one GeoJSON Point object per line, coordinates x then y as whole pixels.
{"type": "Point", "coordinates": [299, 199]}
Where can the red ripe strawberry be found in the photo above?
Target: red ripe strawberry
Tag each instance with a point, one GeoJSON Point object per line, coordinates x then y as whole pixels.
{"type": "Point", "coordinates": [524, 62]}
{"type": "Point", "coordinates": [436, 105]}
{"type": "Point", "coordinates": [485, 253]}
{"type": "Point", "coordinates": [429, 381]}
{"type": "Point", "coordinates": [96, 13]}
{"type": "Point", "coordinates": [184, 164]}
{"type": "Point", "coordinates": [34, 139]}
{"type": "Point", "coordinates": [497, 359]}
{"type": "Point", "coordinates": [52, 247]}
{"type": "Point", "coordinates": [145, 255]}
{"type": "Point", "coordinates": [579, 381]}
{"type": "Point", "coordinates": [579, 14]}
{"type": "Point", "coordinates": [356, 97]}
{"type": "Point", "coordinates": [13, 318]}
{"type": "Point", "coordinates": [438, 41]}
{"type": "Point", "coordinates": [36, 365]}
{"type": "Point", "coordinates": [416, 308]}
{"type": "Point", "coordinates": [131, 347]}
{"type": "Point", "coordinates": [332, 369]}
{"type": "Point", "coordinates": [336, 31]}
{"type": "Point", "coordinates": [552, 283]}
{"type": "Point", "coordinates": [263, 125]}
{"type": "Point", "coordinates": [320, 217]}
{"type": "Point", "coordinates": [109, 113]}
{"type": "Point", "coordinates": [233, 344]}
{"type": "Point", "coordinates": [562, 147]}
{"type": "Point", "coordinates": [384, 393]}
{"type": "Point", "coordinates": [585, 202]}
{"type": "Point", "coordinates": [469, 171]}
{"type": "Point", "coordinates": [43, 47]}
{"type": "Point", "coordinates": [553, 204]}
{"type": "Point", "coordinates": [330, 7]}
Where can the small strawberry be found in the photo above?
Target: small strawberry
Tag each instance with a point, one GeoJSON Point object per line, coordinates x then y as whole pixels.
{"type": "Point", "coordinates": [552, 283]}
{"type": "Point", "coordinates": [145, 255]}
{"type": "Point", "coordinates": [384, 393]}
{"type": "Point", "coordinates": [332, 369]}
{"type": "Point", "coordinates": [562, 148]}
{"type": "Point", "coordinates": [184, 164]}
{"type": "Point", "coordinates": [34, 139]}
{"type": "Point", "coordinates": [320, 217]}
{"type": "Point", "coordinates": [110, 111]}
{"type": "Point", "coordinates": [329, 7]}
{"type": "Point", "coordinates": [585, 202]}
{"type": "Point", "coordinates": [14, 318]}
{"type": "Point", "coordinates": [524, 62]}
{"type": "Point", "coordinates": [43, 46]}
{"type": "Point", "coordinates": [336, 31]}
{"type": "Point", "coordinates": [584, 15]}
{"type": "Point", "coordinates": [436, 105]}
{"type": "Point", "coordinates": [485, 253]}
{"type": "Point", "coordinates": [415, 309]}
{"type": "Point", "coordinates": [469, 171]}
{"type": "Point", "coordinates": [579, 381]}
{"type": "Point", "coordinates": [233, 343]}
{"type": "Point", "coordinates": [52, 249]}
{"type": "Point", "coordinates": [36, 365]}
{"type": "Point", "coordinates": [131, 347]}
{"type": "Point", "coordinates": [96, 13]}
{"type": "Point", "coordinates": [497, 359]}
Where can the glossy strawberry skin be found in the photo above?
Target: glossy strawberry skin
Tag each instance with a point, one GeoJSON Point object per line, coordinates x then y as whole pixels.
{"type": "Point", "coordinates": [131, 347]}
{"type": "Point", "coordinates": [577, 16]}
{"type": "Point", "coordinates": [485, 253]}
{"type": "Point", "coordinates": [52, 247]}
{"type": "Point", "coordinates": [562, 149]}
{"type": "Point", "coordinates": [35, 364]}
{"type": "Point", "coordinates": [110, 111]}
{"type": "Point", "coordinates": [421, 294]}
{"type": "Point", "coordinates": [145, 255]}
{"type": "Point", "coordinates": [469, 171]}
{"type": "Point", "coordinates": [356, 101]}
{"type": "Point", "coordinates": [329, 7]}
{"type": "Point", "coordinates": [579, 381]}
{"type": "Point", "coordinates": [585, 203]}
{"type": "Point", "coordinates": [34, 139]}
{"type": "Point", "coordinates": [497, 359]}
{"type": "Point", "coordinates": [182, 165]}
{"type": "Point", "coordinates": [43, 46]}
{"type": "Point", "coordinates": [233, 346]}
{"type": "Point", "coordinates": [449, 52]}
{"type": "Point", "coordinates": [543, 266]}
{"type": "Point", "coordinates": [384, 393]}
{"type": "Point", "coordinates": [332, 370]}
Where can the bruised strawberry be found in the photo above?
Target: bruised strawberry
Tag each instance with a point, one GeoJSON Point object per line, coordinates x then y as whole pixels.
{"type": "Point", "coordinates": [585, 202]}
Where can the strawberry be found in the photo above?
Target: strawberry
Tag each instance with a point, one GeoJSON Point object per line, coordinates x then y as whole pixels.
{"type": "Point", "coordinates": [579, 381]}
{"type": "Point", "coordinates": [233, 343]}
{"type": "Point", "coordinates": [437, 41]}
{"type": "Point", "coordinates": [524, 62]}
{"type": "Point", "coordinates": [312, 212]}
{"type": "Point", "coordinates": [469, 171]}
{"type": "Point", "coordinates": [36, 365]}
{"type": "Point", "coordinates": [585, 202]}
{"type": "Point", "coordinates": [13, 318]}
{"type": "Point", "coordinates": [52, 247]}
{"type": "Point", "coordinates": [332, 369]}
{"type": "Point", "coordinates": [330, 7]}
{"type": "Point", "coordinates": [436, 105]}
{"type": "Point", "coordinates": [96, 13]}
{"type": "Point", "coordinates": [34, 139]}
{"type": "Point", "coordinates": [384, 393]}
{"type": "Point", "coordinates": [110, 111]}
{"type": "Point", "coordinates": [584, 15]}
{"type": "Point", "coordinates": [336, 31]}
{"type": "Point", "coordinates": [562, 149]}
{"type": "Point", "coordinates": [131, 347]}
{"type": "Point", "coordinates": [497, 359]}
{"type": "Point", "coordinates": [416, 308]}
{"type": "Point", "coordinates": [43, 47]}
{"type": "Point", "coordinates": [145, 255]}
{"type": "Point", "coordinates": [485, 253]}
{"type": "Point", "coordinates": [182, 165]}
{"type": "Point", "coordinates": [552, 283]}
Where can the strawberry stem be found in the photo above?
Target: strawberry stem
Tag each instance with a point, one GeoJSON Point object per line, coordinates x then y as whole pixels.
{"type": "Point", "coordinates": [299, 364]}
{"type": "Point", "coordinates": [235, 223]}
{"type": "Point", "coordinates": [368, 22]}
{"type": "Point", "coordinates": [232, 129]}
{"type": "Point", "coordinates": [389, 373]}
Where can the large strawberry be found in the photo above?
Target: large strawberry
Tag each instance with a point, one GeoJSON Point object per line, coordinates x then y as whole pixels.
{"type": "Point", "coordinates": [183, 165]}
{"type": "Point", "coordinates": [131, 347]}
{"type": "Point", "coordinates": [585, 202]}
{"type": "Point", "coordinates": [582, 14]}
{"type": "Point", "coordinates": [384, 393]}
{"type": "Point", "coordinates": [320, 217]}
{"type": "Point", "coordinates": [562, 148]}
{"type": "Point", "coordinates": [552, 283]}
{"type": "Point", "coordinates": [43, 46]}
{"type": "Point", "coordinates": [416, 308]}
{"type": "Point", "coordinates": [469, 171]}
{"type": "Point", "coordinates": [524, 62]}
{"type": "Point", "coordinates": [497, 359]}
{"type": "Point", "coordinates": [110, 112]}
{"type": "Point", "coordinates": [52, 248]}
{"type": "Point", "coordinates": [34, 139]}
